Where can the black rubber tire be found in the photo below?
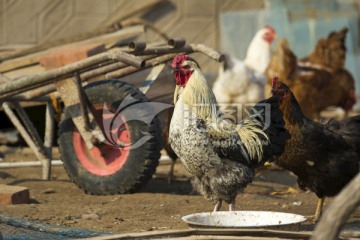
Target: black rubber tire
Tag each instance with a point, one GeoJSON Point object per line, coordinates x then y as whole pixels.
{"type": "Point", "coordinates": [141, 162]}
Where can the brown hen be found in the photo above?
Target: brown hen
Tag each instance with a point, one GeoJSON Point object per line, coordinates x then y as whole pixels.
{"type": "Point", "coordinates": [315, 86]}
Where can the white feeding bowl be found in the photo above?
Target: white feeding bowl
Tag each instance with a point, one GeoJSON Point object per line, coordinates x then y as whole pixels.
{"type": "Point", "coordinates": [245, 219]}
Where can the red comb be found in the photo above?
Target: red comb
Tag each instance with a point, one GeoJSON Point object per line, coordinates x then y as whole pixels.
{"type": "Point", "coordinates": [275, 82]}
{"type": "Point", "coordinates": [178, 59]}
{"type": "Point", "coordinates": [270, 28]}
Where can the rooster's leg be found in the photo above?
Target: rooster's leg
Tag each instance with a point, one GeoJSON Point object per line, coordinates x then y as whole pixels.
{"type": "Point", "coordinates": [318, 211]}
{"type": "Point", "coordinates": [217, 206]}
{"type": "Point", "coordinates": [171, 172]}
{"type": "Point", "coordinates": [232, 205]}
{"type": "Point", "coordinates": [317, 215]}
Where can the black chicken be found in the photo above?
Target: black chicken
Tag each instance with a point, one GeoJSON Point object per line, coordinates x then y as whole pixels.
{"type": "Point", "coordinates": [325, 157]}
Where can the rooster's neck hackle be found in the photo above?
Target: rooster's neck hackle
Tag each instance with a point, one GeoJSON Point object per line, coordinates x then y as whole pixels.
{"type": "Point", "coordinates": [292, 112]}
{"type": "Point", "coordinates": [199, 96]}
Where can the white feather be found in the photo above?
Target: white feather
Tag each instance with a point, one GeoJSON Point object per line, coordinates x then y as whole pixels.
{"type": "Point", "coordinates": [244, 81]}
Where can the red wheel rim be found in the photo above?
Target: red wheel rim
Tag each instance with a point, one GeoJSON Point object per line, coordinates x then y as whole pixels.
{"type": "Point", "coordinates": [109, 158]}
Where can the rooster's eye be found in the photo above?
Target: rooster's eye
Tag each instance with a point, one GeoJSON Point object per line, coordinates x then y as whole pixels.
{"type": "Point", "coordinates": [186, 67]}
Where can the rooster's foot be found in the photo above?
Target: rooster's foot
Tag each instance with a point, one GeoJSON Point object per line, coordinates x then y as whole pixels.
{"type": "Point", "coordinates": [316, 217]}
{"type": "Point", "coordinates": [232, 205]}
{"type": "Point", "coordinates": [217, 206]}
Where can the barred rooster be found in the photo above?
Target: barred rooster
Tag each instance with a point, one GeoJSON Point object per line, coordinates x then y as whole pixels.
{"type": "Point", "coordinates": [220, 155]}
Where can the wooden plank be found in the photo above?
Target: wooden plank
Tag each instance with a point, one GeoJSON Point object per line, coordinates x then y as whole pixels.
{"type": "Point", "coordinates": [223, 238]}
{"type": "Point", "coordinates": [208, 232]}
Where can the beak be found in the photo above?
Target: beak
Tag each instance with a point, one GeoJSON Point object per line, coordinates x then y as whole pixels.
{"type": "Point", "coordinates": [273, 91]}
{"type": "Point", "coordinates": [276, 36]}
{"type": "Point", "coordinates": [174, 70]}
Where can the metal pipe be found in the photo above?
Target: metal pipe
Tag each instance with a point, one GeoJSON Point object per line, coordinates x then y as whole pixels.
{"type": "Point", "coordinates": [25, 135]}
{"type": "Point", "coordinates": [35, 138]}
{"type": "Point", "coordinates": [177, 42]}
{"type": "Point", "coordinates": [149, 63]}
{"type": "Point", "coordinates": [208, 51]}
{"type": "Point", "coordinates": [49, 137]}
{"type": "Point", "coordinates": [31, 92]}
{"type": "Point", "coordinates": [187, 48]}
{"type": "Point", "coordinates": [28, 164]}
{"type": "Point", "coordinates": [137, 45]}
{"type": "Point", "coordinates": [22, 98]}
{"type": "Point", "coordinates": [36, 95]}
{"type": "Point", "coordinates": [109, 68]}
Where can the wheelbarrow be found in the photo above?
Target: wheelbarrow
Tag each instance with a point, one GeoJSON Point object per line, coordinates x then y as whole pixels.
{"type": "Point", "coordinates": [109, 134]}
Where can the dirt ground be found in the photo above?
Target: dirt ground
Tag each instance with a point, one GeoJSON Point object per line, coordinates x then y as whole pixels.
{"type": "Point", "coordinates": [158, 206]}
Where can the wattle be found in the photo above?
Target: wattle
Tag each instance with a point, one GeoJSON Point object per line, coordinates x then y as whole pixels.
{"type": "Point", "coordinates": [182, 79]}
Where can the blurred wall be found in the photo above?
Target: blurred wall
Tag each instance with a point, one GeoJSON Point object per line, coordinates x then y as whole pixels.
{"type": "Point", "coordinates": [37, 21]}
{"type": "Point", "coordinates": [30, 22]}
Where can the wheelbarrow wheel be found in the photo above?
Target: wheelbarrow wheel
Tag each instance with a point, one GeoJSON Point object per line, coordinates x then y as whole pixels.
{"type": "Point", "coordinates": [131, 152]}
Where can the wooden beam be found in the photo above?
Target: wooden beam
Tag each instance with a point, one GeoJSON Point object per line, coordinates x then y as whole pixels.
{"type": "Point", "coordinates": [171, 234]}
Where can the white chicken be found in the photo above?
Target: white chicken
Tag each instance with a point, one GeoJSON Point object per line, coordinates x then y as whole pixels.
{"type": "Point", "coordinates": [241, 82]}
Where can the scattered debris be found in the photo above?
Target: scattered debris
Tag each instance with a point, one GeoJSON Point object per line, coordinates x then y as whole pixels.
{"type": "Point", "coordinates": [297, 203]}
{"type": "Point", "coordinates": [157, 228]}
{"type": "Point", "coordinates": [49, 191]}
{"type": "Point", "coordinates": [89, 216]}
{"type": "Point", "coordinates": [120, 219]}
{"type": "Point", "coordinates": [290, 190]}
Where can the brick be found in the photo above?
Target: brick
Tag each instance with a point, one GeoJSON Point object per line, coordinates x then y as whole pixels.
{"type": "Point", "coordinates": [65, 55]}
{"type": "Point", "coordinates": [10, 195]}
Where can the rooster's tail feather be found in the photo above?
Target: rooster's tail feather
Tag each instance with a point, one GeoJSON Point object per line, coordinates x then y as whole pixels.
{"type": "Point", "coordinates": [269, 115]}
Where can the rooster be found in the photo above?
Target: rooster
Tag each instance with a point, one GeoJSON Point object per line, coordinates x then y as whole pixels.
{"type": "Point", "coordinates": [325, 157]}
{"type": "Point", "coordinates": [243, 82]}
{"type": "Point", "coordinates": [220, 155]}
{"type": "Point", "coordinates": [312, 85]}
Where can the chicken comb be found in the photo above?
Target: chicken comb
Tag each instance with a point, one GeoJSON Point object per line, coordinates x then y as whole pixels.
{"type": "Point", "coordinates": [270, 28]}
{"type": "Point", "coordinates": [275, 82]}
{"type": "Point", "coordinates": [178, 59]}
